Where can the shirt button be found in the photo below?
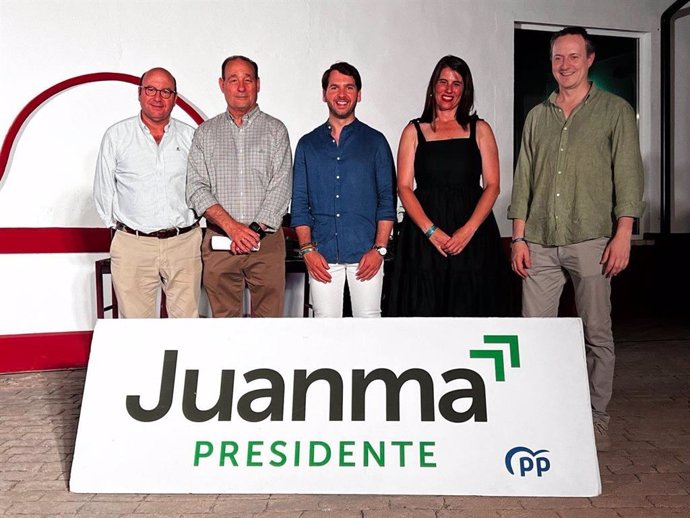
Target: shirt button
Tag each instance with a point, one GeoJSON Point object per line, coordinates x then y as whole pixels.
{"type": "Point", "coordinates": [337, 177]}
{"type": "Point", "coordinates": [565, 129]}
{"type": "Point", "coordinates": [338, 158]}
{"type": "Point", "coordinates": [337, 215]}
{"type": "Point", "coordinates": [337, 195]}
{"type": "Point", "coordinates": [559, 172]}
{"type": "Point", "coordinates": [561, 149]}
{"type": "Point", "coordinates": [558, 194]}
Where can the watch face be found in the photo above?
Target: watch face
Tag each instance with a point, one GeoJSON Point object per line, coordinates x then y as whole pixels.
{"type": "Point", "coordinates": [381, 250]}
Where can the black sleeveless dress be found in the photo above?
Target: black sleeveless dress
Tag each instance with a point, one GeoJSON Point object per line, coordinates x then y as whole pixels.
{"type": "Point", "coordinates": [474, 283]}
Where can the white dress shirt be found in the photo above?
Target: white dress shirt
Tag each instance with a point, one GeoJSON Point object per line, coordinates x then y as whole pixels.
{"type": "Point", "coordinates": [141, 183]}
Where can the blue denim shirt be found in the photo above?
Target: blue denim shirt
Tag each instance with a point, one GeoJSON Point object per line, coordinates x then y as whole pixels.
{"type": "Point", "coordinates": [342, 190]}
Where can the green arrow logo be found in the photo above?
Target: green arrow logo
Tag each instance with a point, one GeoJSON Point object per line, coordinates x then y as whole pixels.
{"type": "Point", "coordinates": [497, 354]}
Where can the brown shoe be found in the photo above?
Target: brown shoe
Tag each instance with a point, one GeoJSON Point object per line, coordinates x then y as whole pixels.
{"type": "Point", "coordinates": [601, 436]}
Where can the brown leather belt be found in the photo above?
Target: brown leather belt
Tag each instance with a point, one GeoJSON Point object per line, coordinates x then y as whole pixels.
{"type": "Point", "coordinates": [160, 234]}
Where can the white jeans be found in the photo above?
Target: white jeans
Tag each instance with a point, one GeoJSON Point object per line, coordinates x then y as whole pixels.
{"type": "Point", "coordinates": [327, 298]}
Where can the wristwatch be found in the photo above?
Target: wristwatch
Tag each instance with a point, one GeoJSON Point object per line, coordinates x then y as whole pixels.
{"type": "Point", "coordinates": [381, 250]}
{"type": "Point", "coordinates": [254, 226]}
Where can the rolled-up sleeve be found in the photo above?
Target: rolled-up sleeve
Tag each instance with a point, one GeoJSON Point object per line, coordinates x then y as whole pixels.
{"type": "Point", "coordinates": [279, 185]}
{"type": "Point", "coordinates": [520, 194]}
{"type": "Point", "coordinates": [628, 172]}
{"type": "Point", "coordinates": [299, 211]}
{"type": "Point", "coordinates": [385, 174]}
{"type": "Point", "coordinates": [199, 189]}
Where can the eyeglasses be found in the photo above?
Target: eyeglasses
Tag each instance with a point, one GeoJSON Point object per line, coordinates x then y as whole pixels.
{"type": "Point", "coordinates": [150, 91]}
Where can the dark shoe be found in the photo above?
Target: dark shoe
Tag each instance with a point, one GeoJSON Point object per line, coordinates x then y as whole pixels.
{"type": "Point", "coordinates": [601, 436]}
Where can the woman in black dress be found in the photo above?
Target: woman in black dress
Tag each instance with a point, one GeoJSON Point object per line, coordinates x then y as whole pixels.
{"type": "Point", "coordinates": [449, 258]}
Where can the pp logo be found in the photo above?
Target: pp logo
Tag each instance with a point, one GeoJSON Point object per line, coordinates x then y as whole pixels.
{"type": "Point", "coordinates": [528, 461]}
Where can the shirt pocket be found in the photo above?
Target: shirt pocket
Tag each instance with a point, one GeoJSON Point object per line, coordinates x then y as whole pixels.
{"type": "Point", "coordinates": [259, 164]}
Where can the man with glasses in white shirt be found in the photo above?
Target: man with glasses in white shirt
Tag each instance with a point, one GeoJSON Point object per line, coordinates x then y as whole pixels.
{"type": "Point", "coordinates": [139, 190]}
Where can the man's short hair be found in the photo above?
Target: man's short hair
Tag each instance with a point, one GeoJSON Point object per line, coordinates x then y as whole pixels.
{"type": "Point", "coordinates": [141, 79]}
{"type": "Point", "coordinates": [243, 58]}
{"type": "Point", "coordinates": [345, 69]}
{"type": "Point", "coordinates": [576, 31]}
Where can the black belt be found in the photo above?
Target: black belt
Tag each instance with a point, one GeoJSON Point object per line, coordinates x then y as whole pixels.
{"type": "Point", "coordinates": [160, 234]}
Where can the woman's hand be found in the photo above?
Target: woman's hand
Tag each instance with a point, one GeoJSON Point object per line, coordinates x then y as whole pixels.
{"type": "Point", "coordinates": [439, 239]}
{"type": "Point", "coordinates": [458, 242]}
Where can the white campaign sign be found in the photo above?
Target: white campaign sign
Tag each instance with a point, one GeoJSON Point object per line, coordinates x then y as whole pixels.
{"type": "Point", "coordinates": [380, 406]}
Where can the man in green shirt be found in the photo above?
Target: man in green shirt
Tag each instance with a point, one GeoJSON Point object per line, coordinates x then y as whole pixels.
{"type": "Point", "coordinates": [576, 192]}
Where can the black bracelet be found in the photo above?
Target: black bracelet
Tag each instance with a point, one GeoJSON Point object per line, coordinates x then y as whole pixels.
{"type": "Point", "coordinates": [518, 240]}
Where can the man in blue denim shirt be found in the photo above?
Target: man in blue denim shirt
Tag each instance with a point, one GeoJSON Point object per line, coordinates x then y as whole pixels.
{"type": "Point", "coordinates": [343, 201]}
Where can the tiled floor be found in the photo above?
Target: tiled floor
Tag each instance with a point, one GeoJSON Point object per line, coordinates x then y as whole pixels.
{"type": "Point", "coordinates": [646, 473]}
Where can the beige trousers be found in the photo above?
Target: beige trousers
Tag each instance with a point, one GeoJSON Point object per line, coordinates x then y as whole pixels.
{"type": "Point", "coordinates": [140, 265]}
{"type": "Point", "coordinates": [541, 292]}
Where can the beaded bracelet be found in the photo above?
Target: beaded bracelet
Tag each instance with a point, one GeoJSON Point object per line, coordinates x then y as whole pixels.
{"type": "Point", "coordinates": [305, 251]}
{"type": "Point", "coordinates": [430, 231]}
{"type": "Point", "coordinates": [306, 248]}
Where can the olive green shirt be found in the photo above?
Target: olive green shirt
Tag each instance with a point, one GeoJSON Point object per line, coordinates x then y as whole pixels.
{"type": "Point", "coordinates": [575, 177]}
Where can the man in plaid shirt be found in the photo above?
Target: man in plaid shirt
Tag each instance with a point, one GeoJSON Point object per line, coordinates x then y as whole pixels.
{"type": "Point", "coordinates": [239, 178]}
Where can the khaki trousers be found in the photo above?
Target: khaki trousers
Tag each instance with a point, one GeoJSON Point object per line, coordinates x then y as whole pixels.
{"type": "Point", "coordinates": [140, 265]}
{"type": "Point", "coordinates": [263, 272]}
{"type": "Point", "coordinates": [541, 293]}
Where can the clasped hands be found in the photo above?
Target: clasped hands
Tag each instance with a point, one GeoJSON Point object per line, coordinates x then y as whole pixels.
{"type": "Point", "coordinates": [451, 245]}
{"type": "Point", "coordinates": [244, 240]}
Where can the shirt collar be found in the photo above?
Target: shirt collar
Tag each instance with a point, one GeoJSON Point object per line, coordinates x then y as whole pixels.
{"type": "Point", "coordinates": [593, 92]}
{"type": "Point", "coordinates": [346, 129]}
{"type": "Point", "coordinates": [247, 117]}
{"type": "Point", "coordinates": [146, 129]}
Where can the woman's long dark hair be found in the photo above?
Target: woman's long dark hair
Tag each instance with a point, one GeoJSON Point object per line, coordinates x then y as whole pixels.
{"type": "Point", "coordinates": [465, 109]}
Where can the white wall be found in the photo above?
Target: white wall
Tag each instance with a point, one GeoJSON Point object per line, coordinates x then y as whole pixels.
{"type": "Point", "coordinates": [394, 43]}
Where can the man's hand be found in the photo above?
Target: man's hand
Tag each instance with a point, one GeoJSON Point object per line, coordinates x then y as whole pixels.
{"type": "Point", "coordinates": [243, 239]}
{"type": "Point", "coordinates": [369, 265]}
{"type": "Point", "coordinates": [317, 266]}
{"type": "Point", "coordinates": [616, 256]}
{"type": "Point", "coordinates": [519, 258]}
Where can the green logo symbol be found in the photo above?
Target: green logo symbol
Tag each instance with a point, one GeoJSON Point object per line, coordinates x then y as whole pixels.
{"type": "Point", "coordinates": [497, 354]}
